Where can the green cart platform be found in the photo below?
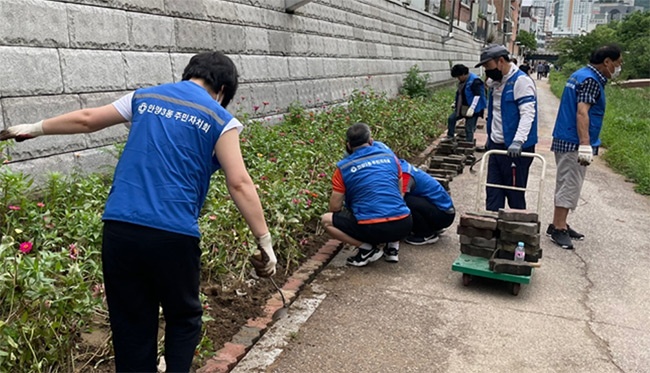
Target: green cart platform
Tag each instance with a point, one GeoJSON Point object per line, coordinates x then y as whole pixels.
{"type": "Point", "coordinates": [476, 266]}
{"type": "Point", "coordinates": [471, 266]}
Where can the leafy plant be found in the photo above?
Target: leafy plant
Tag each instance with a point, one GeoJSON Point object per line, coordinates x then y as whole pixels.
{"type": "Point", "coordinates": [415, 84]}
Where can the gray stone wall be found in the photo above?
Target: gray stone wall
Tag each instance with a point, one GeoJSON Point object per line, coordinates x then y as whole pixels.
{"type": "Point", "coordinates": [61, 55]}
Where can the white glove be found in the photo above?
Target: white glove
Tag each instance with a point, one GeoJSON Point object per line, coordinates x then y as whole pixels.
{"type": "Point", "coordinates": [22, 132]}
{"type": "Point", "coordinates": [470, 112]}
{"type": "Point", "coordinates": [264, 258]}
{"type": "Point", "coordinates": [585, 155]}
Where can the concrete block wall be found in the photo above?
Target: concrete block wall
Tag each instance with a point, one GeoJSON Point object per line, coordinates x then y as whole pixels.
{"type": "Point", "coordinates": [61, 55]}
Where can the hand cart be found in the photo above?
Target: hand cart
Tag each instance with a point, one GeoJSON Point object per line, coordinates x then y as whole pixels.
{"type": "Point", "coordinates": [470, 265]}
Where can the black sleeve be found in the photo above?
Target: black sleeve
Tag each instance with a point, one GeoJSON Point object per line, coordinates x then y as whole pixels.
{"type": "Point", "coordinates": [477, 87]}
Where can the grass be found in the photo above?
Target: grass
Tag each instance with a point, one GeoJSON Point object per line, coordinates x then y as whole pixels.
{"type": "Point", "coordinates": [625, 133]}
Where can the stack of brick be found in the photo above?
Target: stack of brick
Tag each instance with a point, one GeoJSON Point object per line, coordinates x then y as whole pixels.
{"type": "Point", "coordinates": [519, 226]}
{"type": "Point", "coordinates": [481, 235]}
{"type": "Point", "coordinates": [478, 235]}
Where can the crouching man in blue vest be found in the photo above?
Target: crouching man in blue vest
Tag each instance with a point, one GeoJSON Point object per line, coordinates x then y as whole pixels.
{"type": "Point", "coordinates": [576, 135]}
{"type": "Point", "coordinates": [469, 104]}
{"type": "Point", "coordinates": [511, 126]}
{"type": "Point", "coordinates": [180, 135]}
{"type": "Point", "coordinates": [369, 182]}
{"type": "Point", "coordinates": [429, 202]}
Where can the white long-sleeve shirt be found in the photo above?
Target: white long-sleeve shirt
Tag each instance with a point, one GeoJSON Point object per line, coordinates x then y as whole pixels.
{"type": "Point", "coordinates": [524, 86]}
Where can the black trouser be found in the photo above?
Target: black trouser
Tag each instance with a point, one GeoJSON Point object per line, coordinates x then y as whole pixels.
{"type": "Point", "coordinates": [427, 217]}
{"type": "Point", "coordinates": [501, 172]}
{"type": "Point", "coordinates": [144, 268]}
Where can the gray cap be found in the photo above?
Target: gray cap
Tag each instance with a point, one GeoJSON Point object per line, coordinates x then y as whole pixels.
{"type": "Point", "coordinates": [491, 52]}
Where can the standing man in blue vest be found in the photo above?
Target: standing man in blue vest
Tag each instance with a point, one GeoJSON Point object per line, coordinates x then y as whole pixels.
{"type": "Point", "coordinates": [469, 104]}
{"type": "Point", "coordinates": [576, 135]}
{"type": "Point", "coordinates": [368, 183]}
{"type": "Point", "coordinates": [429, 202]}
{"type": "Point", "coordinates": [180, 135]}
{"type": "Point", "coordinates": [511, 126]}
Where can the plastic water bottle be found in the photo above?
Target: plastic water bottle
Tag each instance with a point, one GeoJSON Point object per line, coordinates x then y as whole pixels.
{"type": "Point", "coordinates": [520, 253]}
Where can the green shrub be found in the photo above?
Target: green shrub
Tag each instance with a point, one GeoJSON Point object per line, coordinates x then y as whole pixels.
{"type": "Point", "coordinates": [415, 84]}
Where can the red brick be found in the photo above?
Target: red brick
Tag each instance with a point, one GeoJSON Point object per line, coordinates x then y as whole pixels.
{"type": "Point", "coordinates": [321, 257]}
{"type": "Point", "coordinates": [215, 365]}
{"type": "Point", "coordinates": [301, 276]}
{"type": "Point", "coordinates": [333, 242]}
{"type": "Point", "coordinates": [293, 284]}
{"type": "Point", "coordinates": [259, 322]}
{"type": "Point", "coordinates": [275, 300]}
{"type": "Point", "coordinates": [231, 352]}
{"type": "Point", "coordinates": [328, 249]}
{"type": "Point", "coordinates": [269, 309]}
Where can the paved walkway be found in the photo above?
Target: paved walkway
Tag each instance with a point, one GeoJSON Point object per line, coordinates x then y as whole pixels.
{"type": "Point", "coordinates": [586, 310]}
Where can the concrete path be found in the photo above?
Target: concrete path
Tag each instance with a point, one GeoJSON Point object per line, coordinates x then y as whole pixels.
{"type": "Point", "coordinates": [586, 310]}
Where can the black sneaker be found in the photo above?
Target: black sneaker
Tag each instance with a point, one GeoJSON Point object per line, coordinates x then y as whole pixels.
{"type": "Point", "coordinates": [391, 254]}
{"type": "Point", "coordinates": [417, 241]}
{"type": "Point", "coordinates": [365, 256]}
{"type": "Point", "coordinates": [572, 234]}
{"type": "Point", "coordinates": [561, 238]}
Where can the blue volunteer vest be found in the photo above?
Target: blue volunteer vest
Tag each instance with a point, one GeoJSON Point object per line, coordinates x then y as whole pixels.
{"type": "Point", "coordinates": [469, 95]}
{"type": "Point", "coordinates": [510, 112]}
{"type": "Point", "coordinates": [566, 123]}
{"type": "Point", "coordinates": [427, 187]}
{"type": "Point", "coordinates": [163, 175]}
{"type": "Point", "coordinates": [372, 189]}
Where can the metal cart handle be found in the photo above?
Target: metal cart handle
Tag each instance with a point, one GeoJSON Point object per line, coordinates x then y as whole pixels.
{"type": "Point", "coordinates": [481, 183]}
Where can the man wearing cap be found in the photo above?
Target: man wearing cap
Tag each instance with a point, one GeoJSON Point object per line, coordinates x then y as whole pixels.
{"type": "Point", "coordinates": [369, 182]}
{"type": "Point", "coordinates": [511, 126]}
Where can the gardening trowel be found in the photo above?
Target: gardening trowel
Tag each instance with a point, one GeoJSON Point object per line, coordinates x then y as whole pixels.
{"type": "Point", "coordinates": [281, 312]}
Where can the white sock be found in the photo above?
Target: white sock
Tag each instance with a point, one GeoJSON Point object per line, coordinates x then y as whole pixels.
{"type": "Point", "coordinates": [366, 246]}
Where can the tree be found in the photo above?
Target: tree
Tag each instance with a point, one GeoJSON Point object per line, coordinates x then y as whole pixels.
{"type": "Point", "coordinates": [632, 33]}
{"type": "Point", "coordinates": [527, 40]}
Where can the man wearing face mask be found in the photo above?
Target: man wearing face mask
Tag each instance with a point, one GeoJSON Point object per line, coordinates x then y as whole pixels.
{"type": "Point", "coordinates": [576, 135]}
{"type": "Point", "coordinates": [511, 126]}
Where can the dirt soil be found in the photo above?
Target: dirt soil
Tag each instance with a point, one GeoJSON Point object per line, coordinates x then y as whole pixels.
{"type": "Point", "coordinates": [229, 310]}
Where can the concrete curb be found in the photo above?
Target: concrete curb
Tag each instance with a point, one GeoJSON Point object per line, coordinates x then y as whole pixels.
{"type": "Point", "coordinates": [232, 352]}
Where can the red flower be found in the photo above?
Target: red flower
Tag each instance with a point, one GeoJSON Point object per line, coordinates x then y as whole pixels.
{"type": "Point", "coordinates": [40, 204]}
{"type": "Point", "coordinates": [256, 107]}
{"type": "Point", "coordinates": [265, 103]}
{"type": "Point", "coordinates": [14, 208]}
{"type": "Point", "coordinates": [25, 247]}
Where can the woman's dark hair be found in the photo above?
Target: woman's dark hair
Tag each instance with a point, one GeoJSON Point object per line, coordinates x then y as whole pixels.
{"type": "Point", "coordinates": [459, 70]}
{"type": "Point", "coordinates": [611, 51]}
{"type": "Point", "coordinates": [358, 134]}
{"type": "Point", "coordinates": [217, 70]}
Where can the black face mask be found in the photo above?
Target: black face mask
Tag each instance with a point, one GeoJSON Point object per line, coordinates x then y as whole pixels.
{"type": "Point", "coordinates": [494, 74]}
